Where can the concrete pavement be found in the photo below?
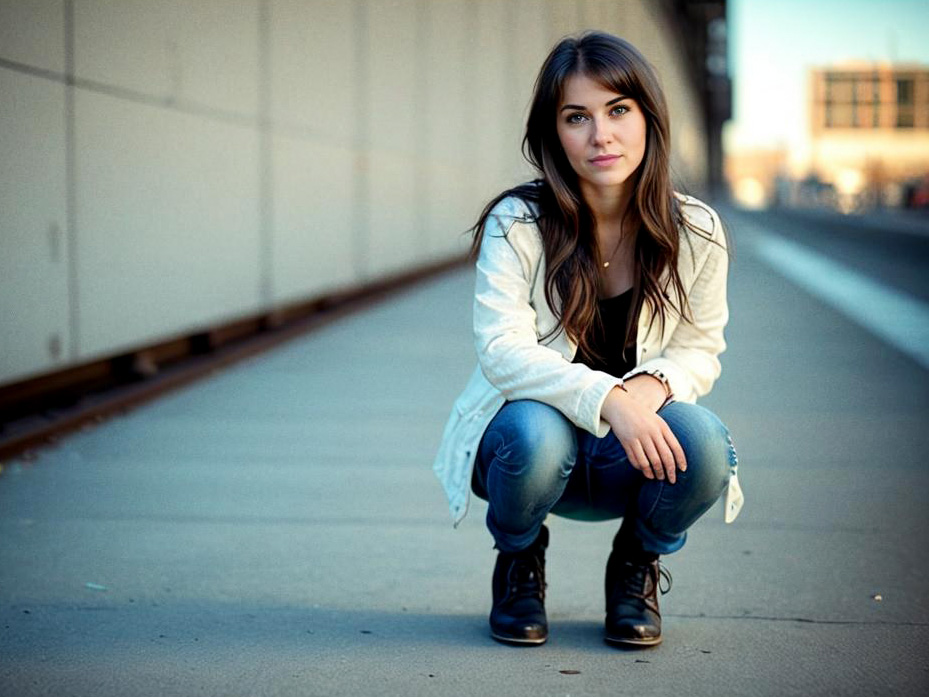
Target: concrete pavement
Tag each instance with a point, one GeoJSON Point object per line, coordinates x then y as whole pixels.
{"type": "Point", "coordinates": [277, 530]}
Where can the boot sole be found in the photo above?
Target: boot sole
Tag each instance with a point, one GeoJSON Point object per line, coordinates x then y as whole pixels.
{"type": "Point", "coordinates": [636, 643]}
{"type": "Point", "coordinates": [515, 641]}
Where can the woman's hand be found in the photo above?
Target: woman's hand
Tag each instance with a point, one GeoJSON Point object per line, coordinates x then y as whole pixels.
{"type": "Point", "coordinates": [648, 441]}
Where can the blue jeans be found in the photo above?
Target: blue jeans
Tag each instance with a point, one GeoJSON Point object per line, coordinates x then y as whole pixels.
{"type": "Point", "coordinates": [532, 461]}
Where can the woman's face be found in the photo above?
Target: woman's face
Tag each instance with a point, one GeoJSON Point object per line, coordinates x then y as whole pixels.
{"type": "Point", "coordinates": [603, 135]}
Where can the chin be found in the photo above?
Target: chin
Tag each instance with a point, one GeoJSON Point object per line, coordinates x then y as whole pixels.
{"type": "Point", "coordinates": [608, 181]}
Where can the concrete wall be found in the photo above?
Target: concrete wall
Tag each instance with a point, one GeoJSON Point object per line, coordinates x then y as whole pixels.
{"type": "Point", "coordinates": [169, 165]}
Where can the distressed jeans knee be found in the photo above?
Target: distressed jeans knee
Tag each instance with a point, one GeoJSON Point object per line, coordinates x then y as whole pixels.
{"type": "Point", "coordinates": [666, 511]}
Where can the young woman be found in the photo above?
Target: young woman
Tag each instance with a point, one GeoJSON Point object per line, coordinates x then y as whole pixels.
{"type": "Point", "coordinates": [599, 310]}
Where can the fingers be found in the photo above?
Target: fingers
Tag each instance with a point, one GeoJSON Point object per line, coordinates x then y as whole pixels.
{"type": "Point", "coordinates": [637, 458]}
{"type": "Point", "coordinates": [654, 461]}
{"type": "Point", "coordinates": [667, 461]}
{"type": "Point", "coordinates": [675, 446]}
{"type": "Point", "coordinates": [659, 456]}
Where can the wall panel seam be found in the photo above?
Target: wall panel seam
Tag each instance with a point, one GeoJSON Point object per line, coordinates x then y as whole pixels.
{"type": "Point", "coordinates": [71, 186]}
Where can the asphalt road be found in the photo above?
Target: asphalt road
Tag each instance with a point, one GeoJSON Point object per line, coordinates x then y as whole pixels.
{"type": "Point", "coordinates": [276, 529]}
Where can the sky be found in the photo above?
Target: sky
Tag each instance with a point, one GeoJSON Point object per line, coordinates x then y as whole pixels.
{"type": "Point", "coordinates": [773, 42]}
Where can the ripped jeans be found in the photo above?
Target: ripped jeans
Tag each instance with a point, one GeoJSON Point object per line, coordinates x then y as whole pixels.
{"type": "Point", "coordinates": [532, 461]}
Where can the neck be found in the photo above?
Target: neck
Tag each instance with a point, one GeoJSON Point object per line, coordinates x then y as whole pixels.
{"type": "Point", "coordinates": [608, 206]}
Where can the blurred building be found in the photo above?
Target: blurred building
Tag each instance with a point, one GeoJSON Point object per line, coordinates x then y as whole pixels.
{"type": "Point", "coordinates": [753, 175]}
{"type": "Point", "coordinates": [869, 128]}
{"type": "Point", "coordinates": [867, 144]}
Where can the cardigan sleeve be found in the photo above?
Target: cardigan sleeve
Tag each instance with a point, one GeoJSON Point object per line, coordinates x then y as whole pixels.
{"type": "Point", "coordinates": [506, 333]}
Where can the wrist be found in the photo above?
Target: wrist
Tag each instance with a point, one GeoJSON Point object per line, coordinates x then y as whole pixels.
{"type": "Point", "coordinates": [649, 390]}
{"type": "Point", "coordinates": [614, 398]}
{"type": "Point", "coordinates": [658, 377]}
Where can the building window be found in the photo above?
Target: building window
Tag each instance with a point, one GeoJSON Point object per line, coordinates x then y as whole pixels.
{"type": "Point", "coordinates": [843, 116]}
{"type": "Point", "coordinates": [904, 92]}
{"type": "Point", "coordinates": [866, 116]}
{"type": "Point", "coordinates": [840, 90]}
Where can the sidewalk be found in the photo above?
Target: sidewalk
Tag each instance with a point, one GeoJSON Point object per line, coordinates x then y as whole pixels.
{"type": "Point", "coordinates": [277, 530]}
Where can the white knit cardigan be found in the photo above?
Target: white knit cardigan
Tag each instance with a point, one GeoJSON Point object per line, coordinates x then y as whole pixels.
{"type": "Point", "coordinates": [520, 358]}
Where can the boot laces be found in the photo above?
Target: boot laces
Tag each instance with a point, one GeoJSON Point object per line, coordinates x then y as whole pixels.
{"type": "Point", "coordinates": [637, 575]}
{"type": "Point", "coordinates": [526, 577]}
{"type": "Point", "coordinates": [663, 573]}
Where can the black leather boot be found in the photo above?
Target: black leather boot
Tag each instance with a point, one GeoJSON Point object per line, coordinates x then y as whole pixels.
{"type": "Point", "coordinates": [632, 583]}
{"type": "Point", "coordinates": [518, 613]}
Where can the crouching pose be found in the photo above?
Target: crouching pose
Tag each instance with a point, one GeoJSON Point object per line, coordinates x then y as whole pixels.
{"type": "Point", "coordinates": [599, 310]}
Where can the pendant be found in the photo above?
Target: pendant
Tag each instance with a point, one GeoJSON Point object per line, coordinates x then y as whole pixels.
{"type": "Point", "coordinates": [606, 265]}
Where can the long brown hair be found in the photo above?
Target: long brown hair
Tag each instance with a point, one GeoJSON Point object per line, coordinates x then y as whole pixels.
{"type": "Point", "coordinates": [565, 221]}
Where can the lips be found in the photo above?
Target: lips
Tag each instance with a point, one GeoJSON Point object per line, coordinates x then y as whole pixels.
{"type": "Point", "coordinates": [603, 160]}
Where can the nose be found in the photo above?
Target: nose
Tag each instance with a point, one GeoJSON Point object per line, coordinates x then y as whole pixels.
{"type": "Point", "coordinates": [600, 132]}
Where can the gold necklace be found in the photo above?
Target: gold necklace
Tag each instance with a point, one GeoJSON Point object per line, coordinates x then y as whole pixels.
{"type": "Point", "coordinates": [606, 264]}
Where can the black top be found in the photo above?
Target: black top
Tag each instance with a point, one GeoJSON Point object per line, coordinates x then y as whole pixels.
{"type": "Point", "coordinates": [607, 339]}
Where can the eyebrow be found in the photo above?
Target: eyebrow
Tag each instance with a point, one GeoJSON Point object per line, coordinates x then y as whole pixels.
{"type": "Point", "coordinates": [583, 108]}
